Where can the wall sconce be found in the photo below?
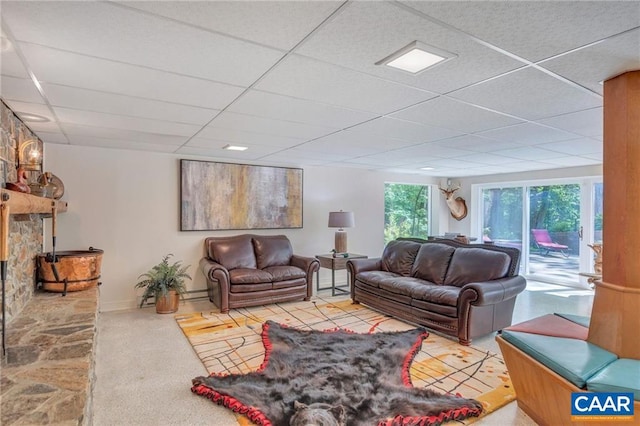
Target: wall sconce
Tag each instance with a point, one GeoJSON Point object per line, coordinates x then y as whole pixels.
{"type": "Point", "coordinates": [30, 155]}
{"type": "Point", "coordinates": [341, 220]}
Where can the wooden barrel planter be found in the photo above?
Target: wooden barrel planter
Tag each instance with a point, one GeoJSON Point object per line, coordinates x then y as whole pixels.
{"type": "Point", "coordinates": [77, 270]}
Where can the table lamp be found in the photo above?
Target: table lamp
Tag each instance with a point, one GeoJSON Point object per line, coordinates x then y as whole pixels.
{"type": "Point", "coordinates": [341, 220]}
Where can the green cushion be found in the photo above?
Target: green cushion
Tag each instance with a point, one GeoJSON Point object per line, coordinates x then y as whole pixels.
{"type": "Point", "coordinates": [575, 360]}
{"type": "Point", "coordinates": [578, 319]}
{"type": "Point", "coordinates": [622, 375]}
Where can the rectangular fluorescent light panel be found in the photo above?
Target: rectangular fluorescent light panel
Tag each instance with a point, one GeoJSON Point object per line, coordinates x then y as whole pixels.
{"type": "Point", "coordinates": [235, 148]}
{"type": "Point", "coordinates": [415, 61]}
{"type": "Point", "coordinates": [416, 57]}
{"type": "Point", "coordinates": [426, 168]}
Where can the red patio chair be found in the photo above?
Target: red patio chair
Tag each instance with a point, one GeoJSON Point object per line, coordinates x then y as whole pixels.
{"type": "Point", "coordinates": [544, 242]}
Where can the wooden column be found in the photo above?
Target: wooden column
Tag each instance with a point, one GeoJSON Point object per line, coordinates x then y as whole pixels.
{"type": "Point", "coordinates": [615, 318]}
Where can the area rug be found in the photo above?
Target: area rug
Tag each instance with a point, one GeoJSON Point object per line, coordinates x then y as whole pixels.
{"type": "Point", "coordinates": [232, 344]}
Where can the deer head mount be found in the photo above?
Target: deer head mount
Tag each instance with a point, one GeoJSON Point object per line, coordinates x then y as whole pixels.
{"type": "Point", "coordinates": [457, 206]}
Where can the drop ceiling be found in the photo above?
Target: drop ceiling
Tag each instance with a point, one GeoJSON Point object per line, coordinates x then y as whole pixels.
{"type": "Point", "coordinates": [296, 82]}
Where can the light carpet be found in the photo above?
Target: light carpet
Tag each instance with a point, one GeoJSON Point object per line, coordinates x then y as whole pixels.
{"type": "Point", "coordinates": [232, 343]}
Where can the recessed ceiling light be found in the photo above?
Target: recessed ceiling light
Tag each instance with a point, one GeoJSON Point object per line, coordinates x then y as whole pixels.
{"type": "Point", "coordinates": [416, 57]}
{"type": "Point", "coordinates": [235, 148]}
{"type": "Point", "coordinates": [34, 118]}
{"type": "Point", "coordinates": [427, 168]}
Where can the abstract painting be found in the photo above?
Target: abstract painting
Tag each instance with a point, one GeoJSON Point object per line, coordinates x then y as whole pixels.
{"type": "Point", "coordinates": [218, 196]}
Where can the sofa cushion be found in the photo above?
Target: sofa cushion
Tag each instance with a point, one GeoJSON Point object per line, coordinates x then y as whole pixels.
{"type": "Point", "coordinates": [470, 265]}
{"type": "Point", "coordinates": [272, 250]}
{"type": "Point", "coordinates": [398, 257]}
{"type": "Point", "coordinates": [575, 360]}
{"type": "Point", "coordinates": [622, 375]}
{"type": "Point", "coordinates": [233, 252]}
{"type": "Point", "coordinates": [284, 272]}
{"type": "Point", "coordinates": [249, 276]}
{"type": "Point", "coordinates": [432, 261]}
{"type": "Point", "coordinates": [374, 278]}
{"type": "Point", "coordinates": [552, 325]}
{"type": "Point", "coordinates": [401, 285]}
{"type": "Point", "coordinates": [442, 294]}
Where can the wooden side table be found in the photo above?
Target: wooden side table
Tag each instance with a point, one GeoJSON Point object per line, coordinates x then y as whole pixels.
{"type": "Point", "coordinates": [335, 264]}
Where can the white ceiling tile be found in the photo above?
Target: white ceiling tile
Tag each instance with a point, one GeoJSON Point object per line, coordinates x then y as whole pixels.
{"type": "Point", "coordinates": [122, 144]}
{"type": "Point", "coordinates": [528, 153]}
{"type": "Point", "coordinates": [88, 118]}
{"type": "Point", "coordinates": [78, 133]}
{"type": "Point", "coordinates": [528, 134]}
{"type": "Point", "coordinates": [280, 107]}
{"type": "Point", "coordinates": [108, 31]}
{"type": "Point", "coordinates": [10, 63]}
{"type": "Point", "coordinates": [366, 32]}
{"type": "Point", "coordinates": [250, 123]}
{"type": "Point", "coordinates": [49, 126]}
{"type": "Point", "coordinates": [19, 89]}
{"type": "Point", "coordinates": [536, 30]}
{"type": "Point", "coordinates": [427, 151]}
{"type": "Point", "coordinates": [545, 96]}
{"type": "Point", "coordinates": [253, 152]}
{"type": "Point", "coordinates": [401, 129]}
{"type": "Point", "coordinates": [54, 66]}
{"type": "Point", "coordinates": [452, 114]}
{"type": "Point", "coordinates": [111, 103]}
{"type": "Point", "coordinates": [485, 158]}
{"type": "Point", "coordinates": [378, 160]}
{"type": "Point", "coordinates": [30, 108]}
{"type": "Point", "coordinates": [586, 123]}
{"type": "Point", "coordinates": [474, 143]}
{"type": "Point", "coordinates": [335, 145]}
{"type": "Point", "coordinates": [572, 161]}
{"type": "Point", "coordinates": [280, 24]}
{"type": "Point", "coordinates": [600, 62]}
{"type": "Point", "coordinates": [310, 79]}
{"type": "Point", "coordinates": [370, 141]}
{"type": "Point", "coordinates": [575, 147]}
{"type": "Point", "coordinates": [300, 153]}
{"type": "Point", "coordinates": [595, 156]}
{"type": "Point", "coordinates": [241, 137]}
{"type": "Point", "coordinates": [53, 137]}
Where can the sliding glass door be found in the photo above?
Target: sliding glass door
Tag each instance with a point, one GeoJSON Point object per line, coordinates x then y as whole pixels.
{"type": "Point", "coordinates": [551, 223]}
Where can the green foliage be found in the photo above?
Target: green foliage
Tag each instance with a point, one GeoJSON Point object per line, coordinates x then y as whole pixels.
{"type": "Point", "coordinates": [406, 211]}
{"type": "Point", "coordinates": [162, 278]}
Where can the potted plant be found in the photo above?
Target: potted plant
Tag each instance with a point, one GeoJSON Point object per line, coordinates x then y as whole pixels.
{"type": "Point", "coordinates": [165, 282]}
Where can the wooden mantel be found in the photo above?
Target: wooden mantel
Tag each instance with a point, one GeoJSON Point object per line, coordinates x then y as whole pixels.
{"type": "Point", "coordinates": [21, 203]}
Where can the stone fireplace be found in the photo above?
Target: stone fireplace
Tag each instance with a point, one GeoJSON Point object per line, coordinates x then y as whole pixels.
{"type": "Point", "coordinates": [25, 231]}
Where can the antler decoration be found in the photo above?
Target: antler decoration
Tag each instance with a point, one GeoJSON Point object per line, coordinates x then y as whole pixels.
{"type": "Point", "coordinates": [457, 206]}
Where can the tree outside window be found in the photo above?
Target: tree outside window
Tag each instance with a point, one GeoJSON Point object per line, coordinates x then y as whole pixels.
{"type": "Point", "coordinates": [406, 211]}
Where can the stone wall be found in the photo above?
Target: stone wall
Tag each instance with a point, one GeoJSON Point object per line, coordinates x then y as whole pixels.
{"type": "Point", "coordinates": [25, 240]}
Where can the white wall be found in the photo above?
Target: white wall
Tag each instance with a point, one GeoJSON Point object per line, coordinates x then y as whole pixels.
{"type": "Point", "coordinates": [127, 203]}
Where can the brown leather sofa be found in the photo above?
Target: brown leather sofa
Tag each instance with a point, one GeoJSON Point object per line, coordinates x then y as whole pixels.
{"type": "Point", "coordinates": [249, 270]}
{"type": "Point", "coordinates": [461, 290]}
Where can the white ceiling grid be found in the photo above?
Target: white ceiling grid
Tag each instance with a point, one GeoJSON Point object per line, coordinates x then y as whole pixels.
{"type": "Point", "coordinates": [296, 82]}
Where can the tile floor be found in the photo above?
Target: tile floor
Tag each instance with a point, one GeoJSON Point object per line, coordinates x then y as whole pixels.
{"type": "Point", "coordinates": [144, 364]}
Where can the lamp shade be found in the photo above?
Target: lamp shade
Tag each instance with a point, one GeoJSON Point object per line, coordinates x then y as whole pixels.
{"type": "Point", "coordinates": [341, 220]}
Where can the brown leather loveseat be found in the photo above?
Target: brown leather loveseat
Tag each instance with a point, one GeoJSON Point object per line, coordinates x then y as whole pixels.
{"type": "Point", "coordinates": [462, 290]}
{"type": "Point", "coordinates": [249, 270]}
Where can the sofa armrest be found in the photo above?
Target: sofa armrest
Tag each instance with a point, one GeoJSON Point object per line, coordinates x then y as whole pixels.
{"type": "Point", "coordinates": [361, 265]}
{"type": "Point", "coordinates": [354, 266]}
{"type": "Point", "coordinates": [307, 264]}
{"type": "Point", "coordinates": [494, 291]}
{"type": "Point", "coordinates": [214, 271]}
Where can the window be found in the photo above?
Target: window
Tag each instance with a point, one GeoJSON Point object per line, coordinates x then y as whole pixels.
{"type": "Point", "coordinates": [406, 211]}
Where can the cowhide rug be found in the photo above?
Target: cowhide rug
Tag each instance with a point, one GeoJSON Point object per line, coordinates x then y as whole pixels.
{"type": "Point", "coordinates": [356, 379]}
